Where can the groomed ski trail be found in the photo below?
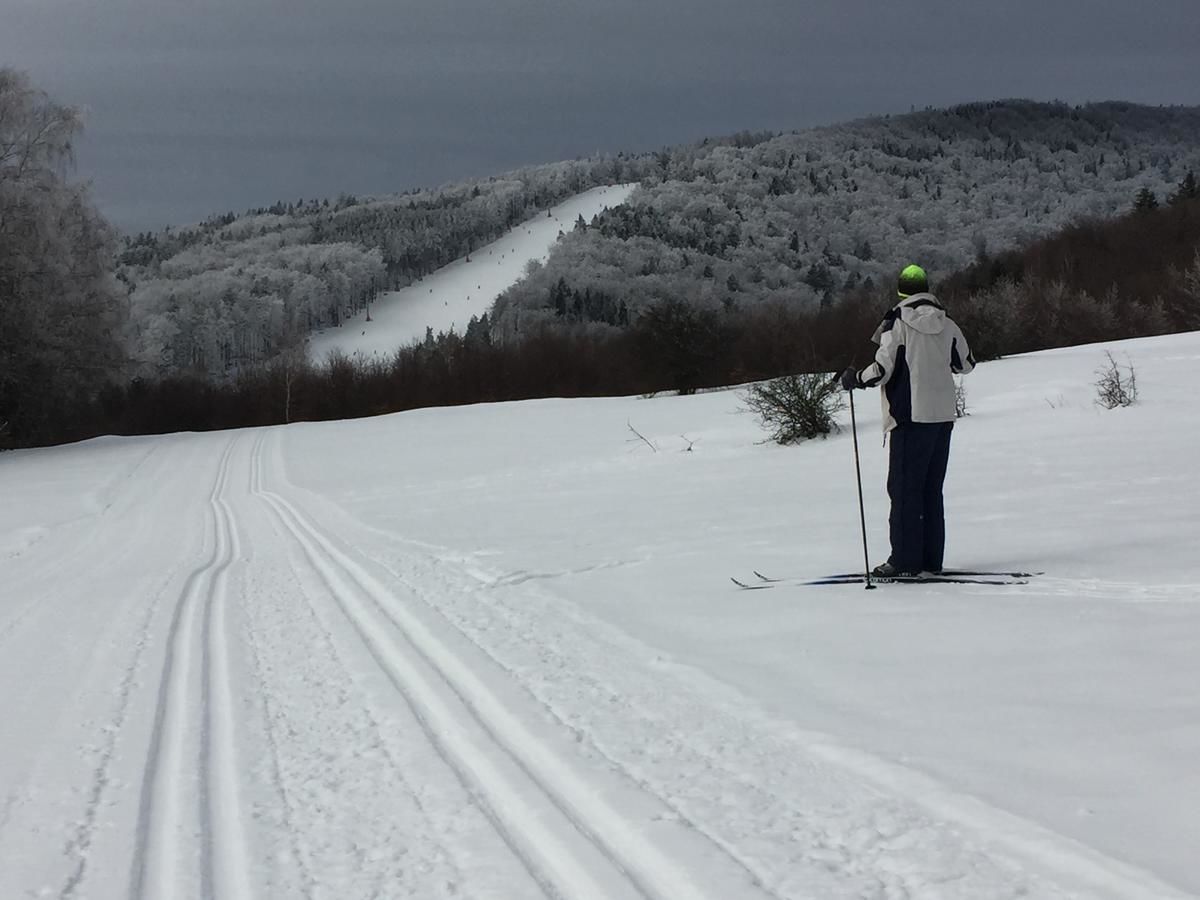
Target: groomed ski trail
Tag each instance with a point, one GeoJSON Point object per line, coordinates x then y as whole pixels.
{"type": "Point", "coordinates": [177, 824]}
{"type": "Point", "coordinates": [243, 691]}
{"type": "Point", "coordinates": [106, 692]}
{"type": "Point", "coordinates": [374, 776]}
{"type": "Point", "coordinates": [575, 843]}
{"type": "Point", "coordinates": [822, 819]}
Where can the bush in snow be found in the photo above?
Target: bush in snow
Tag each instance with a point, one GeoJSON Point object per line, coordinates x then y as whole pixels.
{"type": "Point", "coordinates": [797, 407]}
{"type": "Point", "coordinates": [960, 398]}
{"type": "Point", "coordinates": [1116, 387]}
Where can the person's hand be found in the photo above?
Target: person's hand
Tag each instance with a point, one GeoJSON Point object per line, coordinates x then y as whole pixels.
{"type": "Point", "coordinates": [850, 379]}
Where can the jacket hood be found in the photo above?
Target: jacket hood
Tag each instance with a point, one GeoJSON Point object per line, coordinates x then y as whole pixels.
{"type": "Point", "coordinates": [923, 313]}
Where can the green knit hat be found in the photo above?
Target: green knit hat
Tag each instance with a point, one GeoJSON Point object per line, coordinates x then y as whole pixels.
{"type": "Point", "coordinates": [912, 281]}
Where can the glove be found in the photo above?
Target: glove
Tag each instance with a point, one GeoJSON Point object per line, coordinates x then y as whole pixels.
{"type": "Point", "coordinates": [850, 379]}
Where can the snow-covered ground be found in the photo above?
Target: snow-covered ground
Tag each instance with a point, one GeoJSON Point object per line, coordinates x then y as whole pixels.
{"type": "Point", "coordinates": [493, 652]}
{"type": "Point", "coordinates": [446, 300]}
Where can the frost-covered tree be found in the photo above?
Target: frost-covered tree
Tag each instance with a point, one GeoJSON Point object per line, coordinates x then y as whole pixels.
{"type": "Point", "coordinates": [800, 218]}
{"type": "Point", "coordinates": [61, 309]}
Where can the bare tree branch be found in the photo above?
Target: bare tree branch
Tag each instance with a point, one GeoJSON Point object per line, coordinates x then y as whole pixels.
{"type": "Point", "coordinates": [642, 436]}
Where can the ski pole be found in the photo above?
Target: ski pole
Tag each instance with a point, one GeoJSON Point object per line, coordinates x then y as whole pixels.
{"type": "Point", "coordinates": [862, 513]}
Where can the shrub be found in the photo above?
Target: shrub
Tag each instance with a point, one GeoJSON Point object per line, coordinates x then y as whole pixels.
{"type": "Point", "coordinates": [797, 407]}
{"type": "Point", "coordinates": [1114, 387]}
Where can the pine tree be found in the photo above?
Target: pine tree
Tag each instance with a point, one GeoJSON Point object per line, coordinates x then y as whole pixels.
{"type": "Point", "coordinates": [1145, 201]}
{"type": "Point", "coordinates": [1188, 189]}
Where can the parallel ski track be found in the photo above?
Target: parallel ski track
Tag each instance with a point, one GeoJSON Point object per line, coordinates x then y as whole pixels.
{"type": "Point", "coordinates": [163, 823]}
{"type": "Point", "coordinates": [1046, 854]}
{"type": "Point", "coordinates": [746, 865]}
{"type": "Point", "coordinates": [448, 720]}
{"type": "Point", "coordinates": [79, 845]}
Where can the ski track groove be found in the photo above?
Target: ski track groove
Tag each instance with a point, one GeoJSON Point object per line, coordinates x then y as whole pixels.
{"type": "Point", "coordinates": [287, 804]}
{"type": "Point", "coordinates": [370, 714]}
{"type": "Point", "coordinates": [81, 842]}
{"type": "Point", "coordinates": [757, 879]}
{"type": "Point", "coordinates": [162, 825]}
{"type": "Point", "coordinates": [642, 867]}
{"type": "Point", "coordinates": [468, 784]}
{"type": "Point", "coordinates": [228, 843]}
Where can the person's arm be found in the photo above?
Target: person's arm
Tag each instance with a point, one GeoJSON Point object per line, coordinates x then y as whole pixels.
{"type": "Point", "coordinates": [880, 371]}
{"type": "Point", "coordinates": [961, 359]}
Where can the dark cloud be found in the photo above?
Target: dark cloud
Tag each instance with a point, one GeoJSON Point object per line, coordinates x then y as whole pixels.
{"type": "Point", "coordinates": [201, 107]}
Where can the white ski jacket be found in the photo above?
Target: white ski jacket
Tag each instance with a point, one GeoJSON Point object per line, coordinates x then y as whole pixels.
{"type": "Point", "coordinates": [921, 349]}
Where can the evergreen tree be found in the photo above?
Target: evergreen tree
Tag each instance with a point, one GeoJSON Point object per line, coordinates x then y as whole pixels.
{"type": "Point", "coordinates": [1145, 200]}
{"type": "Point", "coordinates": [1188, 189]}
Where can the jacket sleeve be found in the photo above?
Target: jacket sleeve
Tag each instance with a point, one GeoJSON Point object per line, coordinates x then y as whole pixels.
{"type": "Point", "coordinates": [880, 371]}
{"type": "Point", "coordinates": [962, 360]}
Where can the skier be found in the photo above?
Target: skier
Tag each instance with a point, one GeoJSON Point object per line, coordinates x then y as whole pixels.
{"type": "Point", "coordinates": [920, 350]}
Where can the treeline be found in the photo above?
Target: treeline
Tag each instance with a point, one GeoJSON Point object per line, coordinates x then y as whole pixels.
{"type": "Point", "coordinates": [1138, 275]}
{"type": "Point", "coordinates": [673, 347]}
{"type": "Point", "coordinates": [1134, 276]}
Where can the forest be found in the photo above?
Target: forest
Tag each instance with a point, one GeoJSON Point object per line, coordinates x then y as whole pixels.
{"type": "Point", "coordinates": [737, 258]}
{"type": "Point", "coordinates": [1133, 276]}
{"type": "Point", "coordinates": [804, 218]}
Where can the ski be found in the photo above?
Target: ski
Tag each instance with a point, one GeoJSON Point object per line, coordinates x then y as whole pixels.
{"type": "Point", "coordinates": [932, 579]}
{"type": "Point", "coordinates": [852, 576]}
{"type": "Point", "coordinates": [945, 573]}
{"type": "Point", "coordinates": [956, 577]}
{"type": "Point", "coordinates": [765, 585]}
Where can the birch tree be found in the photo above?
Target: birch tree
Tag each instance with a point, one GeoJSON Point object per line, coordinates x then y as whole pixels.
{"type": "Point", "coordinates": [61, 308]}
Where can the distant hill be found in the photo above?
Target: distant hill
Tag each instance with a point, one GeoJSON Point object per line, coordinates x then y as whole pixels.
{"type": "Point", "coordinates": [801, 218]}
{"type": "Point", "coordinates": [726, 224]}
{"type": "Point", "coordinates": [236, 291]}
{"type": "Point", "coordinates": [458, 297]}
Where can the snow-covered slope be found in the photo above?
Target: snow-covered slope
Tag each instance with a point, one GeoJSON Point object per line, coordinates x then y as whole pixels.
{"type": "Point", "coordinates": [493, 652]}
{"type": "Point", "coordinates": [446, 300]}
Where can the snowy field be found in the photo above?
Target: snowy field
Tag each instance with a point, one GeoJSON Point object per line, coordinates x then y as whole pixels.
{"type": "Point", "coordinates": [493, 652]}
{"type": "Point", "coordinates": [446, 300]}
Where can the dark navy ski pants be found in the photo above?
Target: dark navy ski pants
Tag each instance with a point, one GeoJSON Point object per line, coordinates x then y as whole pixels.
{"type": "Point", "coordinates": [916, 473]}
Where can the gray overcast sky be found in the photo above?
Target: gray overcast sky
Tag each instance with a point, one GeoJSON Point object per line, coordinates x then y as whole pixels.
{"type": "Point", "coordinates": [201, 106]}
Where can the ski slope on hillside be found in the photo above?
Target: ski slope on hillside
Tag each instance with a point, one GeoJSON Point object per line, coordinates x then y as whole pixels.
{"type": "Point", "coordinates": [447, 299]}
{"type": "Point", "coordinates": [493, 652]}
